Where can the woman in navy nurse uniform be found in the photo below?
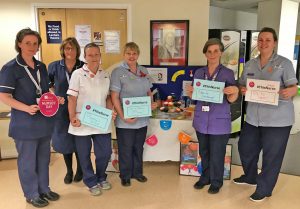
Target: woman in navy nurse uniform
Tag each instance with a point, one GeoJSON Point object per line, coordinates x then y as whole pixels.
{"type": "Point", "coordinates": [59, 74]}
{"type": "Point", "coordinates": [22, 81]}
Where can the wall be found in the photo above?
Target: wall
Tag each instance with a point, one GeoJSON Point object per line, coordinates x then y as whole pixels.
{"type": "Point", "coordinates": [220, 18]}
{"type": "Point", "coordinates": [17, 14]}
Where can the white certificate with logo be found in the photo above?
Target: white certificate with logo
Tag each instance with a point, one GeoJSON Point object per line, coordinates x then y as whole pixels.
{"type": "Point", "coordinates": [262, 91]}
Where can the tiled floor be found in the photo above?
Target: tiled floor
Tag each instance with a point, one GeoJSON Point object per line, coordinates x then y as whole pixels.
{"type": "Point", "coordinates": [165, 189]}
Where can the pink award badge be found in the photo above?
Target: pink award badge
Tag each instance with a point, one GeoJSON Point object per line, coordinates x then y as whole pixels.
{"type": "Point", "coordinates": [48, 104]}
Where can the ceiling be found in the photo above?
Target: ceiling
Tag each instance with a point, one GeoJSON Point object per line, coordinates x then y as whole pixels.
{"type": "Point", "coordinates": [242, 5]}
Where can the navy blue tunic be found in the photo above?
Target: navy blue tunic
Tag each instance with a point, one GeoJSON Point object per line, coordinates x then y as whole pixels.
{"type": "Point", "coordinates": [62, 141]}
{"type": "Point", "coordinates": [15, 81]}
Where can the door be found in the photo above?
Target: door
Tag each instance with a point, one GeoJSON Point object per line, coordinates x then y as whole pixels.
{"type": "Point", "coordinates": [100, 20]}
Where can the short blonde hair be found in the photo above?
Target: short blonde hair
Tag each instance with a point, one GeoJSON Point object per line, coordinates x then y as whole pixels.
{"type": "Point", "coordinates": [133, 46]}
{"type": "Point", "coordinates": [73, 42]}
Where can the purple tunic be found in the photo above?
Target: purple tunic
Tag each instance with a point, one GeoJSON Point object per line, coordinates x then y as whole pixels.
{"type": "Point", "coordinates": [218, 120]}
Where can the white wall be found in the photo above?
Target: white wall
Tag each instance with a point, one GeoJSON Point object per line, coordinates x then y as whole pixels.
{"type": "Point", "coordinates": [220, 18]}
{"type": "Point", "coordinates": [18, 14]}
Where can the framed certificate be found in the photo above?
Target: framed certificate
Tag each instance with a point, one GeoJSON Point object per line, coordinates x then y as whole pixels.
{"type": "Point", "coordinates": [95, 116]}
{"type": "Point", "coordinates": [136, 107]}
{"type": "Point", "coordinates": [262, 91]}
{"type": "Point", "coordinates": [208, 91]}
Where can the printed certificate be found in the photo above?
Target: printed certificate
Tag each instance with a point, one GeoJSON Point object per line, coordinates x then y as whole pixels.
{"type": "Point", "coordinates": [208, 91]}
{"type": "Point", "coordinates": [136, 107]}
{"type": "Point", "coordinates": [262, 91]}
{"type": "Point", "coordinates": [95, 116]}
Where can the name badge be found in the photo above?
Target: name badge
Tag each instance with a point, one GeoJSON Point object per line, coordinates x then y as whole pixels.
{"type": "Point", "coordinates": [205, 108]}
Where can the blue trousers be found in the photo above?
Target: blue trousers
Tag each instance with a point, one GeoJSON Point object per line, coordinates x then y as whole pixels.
{"type": "Point", "coordinates": [102, 152]}
{"type": "Point", "coordinates": [33, 165]}
{"type": "Point", "coordinates": [272, 141]}
{"type": "Point", "coordinates": [130, 149]}
{"type": "Point", "coordinates": [212, 149]}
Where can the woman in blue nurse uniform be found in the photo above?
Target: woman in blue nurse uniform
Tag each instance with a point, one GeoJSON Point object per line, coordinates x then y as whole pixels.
{"type": "Point", "coordinates": [60, 73]}
{"type": "Point", "coordinates": [22, 81]}
{"type": "Point", "coordinates": [267, 127]}
{"type": "Point", "coordinates": [130, 80]}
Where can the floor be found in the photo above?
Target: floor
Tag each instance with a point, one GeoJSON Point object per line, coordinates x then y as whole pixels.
{"type": "Point", "coordinates": [165, 189]}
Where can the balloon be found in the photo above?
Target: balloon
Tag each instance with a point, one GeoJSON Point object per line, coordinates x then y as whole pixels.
{"type": "Point", "coordinates": [152, 140]}
{"type": "Point", "coordinates": [183, 137]}
{"type": "Point", "coordinates": [165, 124]}
{"type": "Point", "coordinates": [193, 146]}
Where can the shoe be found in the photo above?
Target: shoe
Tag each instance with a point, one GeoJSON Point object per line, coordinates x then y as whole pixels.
{"type": "Point", "coordinates": [105, 185]}
{"type": "Point", "coordinates": [52, 196]}
{"type": "Point", "coordinates": [125, 182]}
{"type": "Point", "coordinates": [213, 189]}
{"type": "Point", "coordinates": [199, 185]}
{"type": "Point", "coordinates": [68, 178]}
{"type": "Point", "coordinates": [141, 179]}
{"type": "Point", "coordinates": [256, 197]}
{"type": "Point", "coordinates": [38, 202]}
{"type": "Point", "coordinates": [78, 176]}
{"type": "Point", "coordinates": [242, 180]}
{"type": "Point", "coordinates": [95, 190]}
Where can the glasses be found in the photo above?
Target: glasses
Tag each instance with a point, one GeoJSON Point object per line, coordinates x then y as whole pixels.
{"type": "Point", "coordinates": [69, 49]}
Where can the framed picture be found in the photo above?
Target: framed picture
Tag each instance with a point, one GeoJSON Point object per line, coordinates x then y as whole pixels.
{"type": "Point", "coordinates": [190, 161]}
{"type": "Point", "coordinates": [169, 42]}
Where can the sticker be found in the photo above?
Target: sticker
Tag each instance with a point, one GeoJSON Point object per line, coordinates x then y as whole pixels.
{"type": "Point", "coordinates": [48, 104]}
{"type": "Point", "coordinates": [165, 124]}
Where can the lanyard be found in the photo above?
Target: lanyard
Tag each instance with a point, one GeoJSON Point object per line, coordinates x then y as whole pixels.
{"type": "Point", "coordinates": [37, 85]}
{"type": "Point", "coordinates": [68, 77]}
{"type": "Point", "coordinates": [214, 77]}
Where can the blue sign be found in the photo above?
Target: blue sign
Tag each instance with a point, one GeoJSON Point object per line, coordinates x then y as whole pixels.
{"type": "Point", "coordinates": [53, 32]}
{"type": "Point", "coordinates": [165, 124]}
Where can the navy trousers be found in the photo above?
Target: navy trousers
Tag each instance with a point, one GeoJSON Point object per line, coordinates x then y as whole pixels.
{"type": "Point", "coordinates": [102, 152]}
{"type": "Point", "coordinates": [130, 149]}
{"type": "Point", "coordinates": [212, 149]}
{"type": "Point", "coordinates": [272, 141]}
{"type": "Point", "coordinates": [33, 165]}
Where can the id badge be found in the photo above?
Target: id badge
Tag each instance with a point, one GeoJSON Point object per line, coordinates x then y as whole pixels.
{"type": "Point", "coordinates": [205, 108]}
{"type": "Point", "coordinates": [37, 100]}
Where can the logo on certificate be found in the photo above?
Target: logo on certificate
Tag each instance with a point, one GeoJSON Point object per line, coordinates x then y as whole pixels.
{"type": "Point", "coordinates": [251, 84]}
{"type": "Point", "coordinates": [88, 107]}
{"type": "Point", "coordinates": [198, 83]}
{"type": "Point", "coordinates": [127, 102]}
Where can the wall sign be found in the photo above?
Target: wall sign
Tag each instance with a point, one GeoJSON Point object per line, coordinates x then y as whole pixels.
{"type": "Point", "coordinates": [53, 31]}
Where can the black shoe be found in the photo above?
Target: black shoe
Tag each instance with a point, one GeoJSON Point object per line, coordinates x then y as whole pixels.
{"type": "Point", "coordinates": [256, 197]}
{"type": "Point", "coordinates": [38, 202]}
{"type": "Point", "coordinates": [242, 180]}
{"type": "Point", "coordinates": [213, 189]}
{"type": "Point", "coordinates": [199, 185]}
{"type": "Point", "coordinates": [52, 196]}
{"type": "Point", "coordinates": [68, 178]}
{"type": "Point", "coordinates": [78, 176]}
{"type": "Point", "coordinates": [141, 178]}
{"type": "Point", "coordinates": [125, 182]}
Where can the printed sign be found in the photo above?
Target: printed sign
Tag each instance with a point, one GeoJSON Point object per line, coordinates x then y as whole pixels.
{"type": "Point", "coordinates": [48, 104]}
{"type": "Point", "coordinates": [53, 31]}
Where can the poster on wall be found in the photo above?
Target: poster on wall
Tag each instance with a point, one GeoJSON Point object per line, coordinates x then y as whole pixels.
{"type": "Point", "coordinates": [53, 31]}
{"type": "Point", "coordinates": [158, 75]}
{"type": "Point", "coordinates": [190, 160]}
{"type": "Point", "coordinates": [112, 42]}
{"type": "Point", "coordinates": [169, 42]}
{"type": "Point", "coordinates": [83, 34]}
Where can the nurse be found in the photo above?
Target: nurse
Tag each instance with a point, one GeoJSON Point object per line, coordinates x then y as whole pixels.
{"type": "Point", "coordinates": [267, 127]}
{"type": "Point", "coordinates": [212, 121]}
{"type": "Point", "coordinates": [91, 84]}
{"type": "Point", "coordinates": [130, 80]}
{"type": "Point", "coordinates": [22, 81]}
{"type": "Point", "coordinates": [60, 73]}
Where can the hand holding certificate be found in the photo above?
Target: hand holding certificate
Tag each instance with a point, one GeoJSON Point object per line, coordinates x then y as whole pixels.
{"type": "Point", "coordinates": [208, 91]}
{"type": "Point", "coordinates": [262, 91]}
{"type": "Point", "coordinates": [95, 116]}
{"type": "Point", "coordinates": [136, 107]}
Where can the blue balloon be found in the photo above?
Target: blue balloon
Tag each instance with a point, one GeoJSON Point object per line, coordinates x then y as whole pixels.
{"type": "Point", "coordinates": [165, 124]}
{"type": "Point", "coordinates": [199, 167]}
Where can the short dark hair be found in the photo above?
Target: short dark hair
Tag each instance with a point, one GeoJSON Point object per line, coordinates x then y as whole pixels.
{"type": "Point", "coordinates": [213, 41]}
{"type": "Point", "coordinates": [73, 42]}
{"type": "Point", "coordinates": [90, 45]}
{"type": "Point", "coordinates": [269, 30]}
{"type": "Point", "coordinates": [25, 32]}
{"type": "Point", "coordinates": [133, 46]}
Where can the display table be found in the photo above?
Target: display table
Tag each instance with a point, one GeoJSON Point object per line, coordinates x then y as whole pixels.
{"type": "Point", "coordinates": [168, 146]}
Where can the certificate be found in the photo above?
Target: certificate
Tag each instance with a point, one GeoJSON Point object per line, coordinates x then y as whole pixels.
{"type": "Point", "coordinates": [137, 107]}
{"type": "Point", "coordinates": [95, 116]}
{"type": "Point", "coordinates": [208, 91]}
{"type": "Point", "coordinates": [262, 91]}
